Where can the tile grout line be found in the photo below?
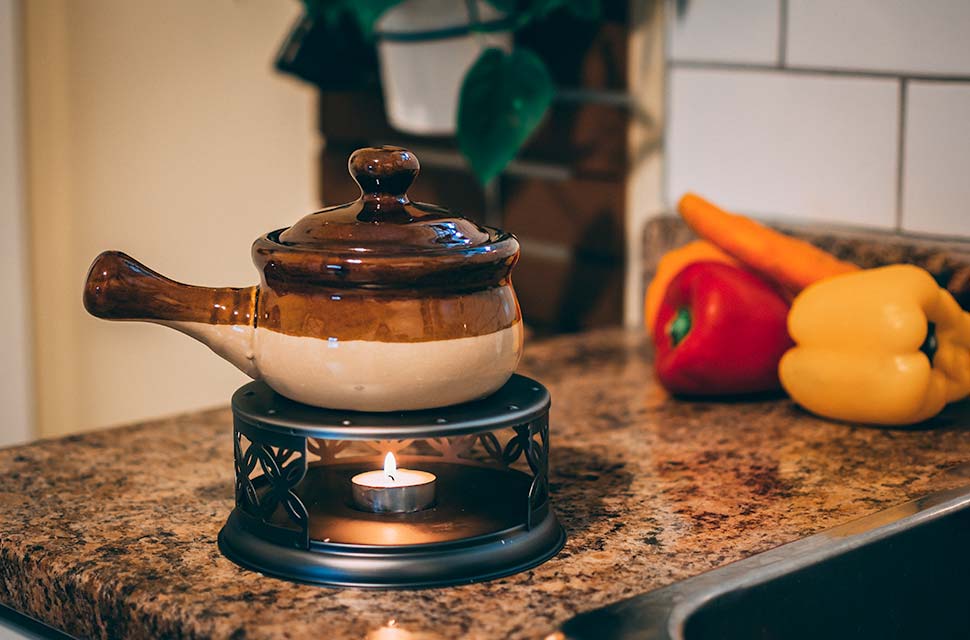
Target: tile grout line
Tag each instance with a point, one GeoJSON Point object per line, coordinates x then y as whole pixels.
{"type": "Point", "coordinates": [901, 151]}
{"type": "Point", "coordinates": [665, 131]}
{"type": "Point", "coordinates": [782, 33]}
{"type": "Point", "coordinates": [715, 65]}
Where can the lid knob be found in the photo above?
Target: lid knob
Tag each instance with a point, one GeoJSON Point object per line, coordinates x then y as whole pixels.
{"type": "Point", "coordinates": [383, 170]}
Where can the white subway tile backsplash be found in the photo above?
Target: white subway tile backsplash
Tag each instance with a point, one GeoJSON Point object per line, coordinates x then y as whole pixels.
{"type": "Point", "coordinates": [737, 31]}
{"type": "Point", "coordinates": [779, 144]}
{"type": "Point", "coordinates": [894, 36]}
{"type": "Point", "coordinates": [936, 163]}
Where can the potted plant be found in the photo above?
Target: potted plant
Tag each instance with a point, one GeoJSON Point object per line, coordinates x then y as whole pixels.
{"type": "Point", "coordinates": [446, 66]}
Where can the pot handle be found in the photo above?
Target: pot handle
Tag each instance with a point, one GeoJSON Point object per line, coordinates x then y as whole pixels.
{"type": "Point", "coordinates": [118, 287]}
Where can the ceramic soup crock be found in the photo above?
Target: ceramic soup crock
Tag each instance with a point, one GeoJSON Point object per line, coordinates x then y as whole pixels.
{"type": "Point", "coordinates": [381, 304]}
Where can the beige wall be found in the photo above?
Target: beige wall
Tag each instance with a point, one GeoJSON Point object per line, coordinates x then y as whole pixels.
{"type": "Point", "coordinates": [160, 129]}
{"type": "Point", "coordinates": [15, 369]}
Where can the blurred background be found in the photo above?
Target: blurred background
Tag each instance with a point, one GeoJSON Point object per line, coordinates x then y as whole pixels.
{"type": "Point", "coordinates": [179, 131]}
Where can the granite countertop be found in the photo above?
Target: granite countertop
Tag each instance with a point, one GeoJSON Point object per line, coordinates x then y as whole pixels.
{"type": "Point", "coordinates": [113, 534]}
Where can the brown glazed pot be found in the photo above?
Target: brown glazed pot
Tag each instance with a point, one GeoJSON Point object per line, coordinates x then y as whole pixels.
{"type": "Point", "coordinates": [380, 304]}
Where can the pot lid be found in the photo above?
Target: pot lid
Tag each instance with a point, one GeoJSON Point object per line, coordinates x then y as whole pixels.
{"type": "Point", "coordinates": [382, 239]}
{"type": "Point", "coordinates": [383, 220]}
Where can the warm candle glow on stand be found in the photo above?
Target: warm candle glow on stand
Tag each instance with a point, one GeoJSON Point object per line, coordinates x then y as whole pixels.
{"type": "Point", "coordinates": [393, 490]}
{"type": "Point", "coordinates": [390, 466]}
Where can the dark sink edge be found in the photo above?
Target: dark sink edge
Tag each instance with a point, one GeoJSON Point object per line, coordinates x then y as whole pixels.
{"type": "Point", "coordinates": [15, 624]}
{"type": "Point", "coordinates": [662, 614]}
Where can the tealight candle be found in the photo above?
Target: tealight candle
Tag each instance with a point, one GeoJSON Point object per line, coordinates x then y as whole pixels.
{"type": "Point", "coordinates": [393, 490]}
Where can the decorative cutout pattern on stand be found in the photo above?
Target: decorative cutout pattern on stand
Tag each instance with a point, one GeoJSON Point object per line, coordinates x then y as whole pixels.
{"type": "Point", "coordinates": [327, 450]}
{"type": "Point", "coordinates": [536, 456]}
{"type": "Point", "coordinates": [270, 465]}
{"type": "Point", "coordinates": [283, 465]}
{"type": "Point", "coordinates": [453, 448]}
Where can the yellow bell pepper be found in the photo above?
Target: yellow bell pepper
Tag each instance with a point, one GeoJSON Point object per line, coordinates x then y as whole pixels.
{"type": "Point", "coordinates": [882, 346]}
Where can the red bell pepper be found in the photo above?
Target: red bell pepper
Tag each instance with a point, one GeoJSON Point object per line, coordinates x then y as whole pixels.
{"type": "Point", "coordinates": [720, 330]}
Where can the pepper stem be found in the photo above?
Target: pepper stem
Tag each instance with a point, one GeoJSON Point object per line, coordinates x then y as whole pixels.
{"type": "Point", "coordinates": [679, 326]}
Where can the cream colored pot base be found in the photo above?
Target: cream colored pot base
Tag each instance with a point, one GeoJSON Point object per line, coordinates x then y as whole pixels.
{"type": "Point", "coordinates": [362, 375]}
{"type": "Point", "coordinates": [387, 376]}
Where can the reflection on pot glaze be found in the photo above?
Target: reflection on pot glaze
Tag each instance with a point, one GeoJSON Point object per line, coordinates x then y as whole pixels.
{"type": "Point", "coordinates": [377, 305]}
{"type": "Point", "coordinates": [388, 316]}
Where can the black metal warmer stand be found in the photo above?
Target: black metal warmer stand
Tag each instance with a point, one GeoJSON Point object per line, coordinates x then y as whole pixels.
{"type": "Point", "coordinates": [295, 516]}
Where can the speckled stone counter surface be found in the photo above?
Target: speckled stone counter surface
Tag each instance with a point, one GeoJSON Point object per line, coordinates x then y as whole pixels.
{"type": "Point", "coordinates": [113, 534]}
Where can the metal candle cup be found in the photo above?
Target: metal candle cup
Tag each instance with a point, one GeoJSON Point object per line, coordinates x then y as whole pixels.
{"type": "Point", "coordinates": [393, 490]}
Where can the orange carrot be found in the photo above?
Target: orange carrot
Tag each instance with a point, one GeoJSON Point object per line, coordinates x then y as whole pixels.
{"type": "Point", "coordinates": [793, 264]}
{"type": "Point", "coordinates": [672, 263]}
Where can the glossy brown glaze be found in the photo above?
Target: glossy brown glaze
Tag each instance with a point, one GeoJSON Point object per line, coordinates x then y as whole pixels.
{"type": "Point", "coordinates": [383, 240]}
{"type": "Point", "coordinates": [383, 220]}
{"type": "Point", "coordinates": [386, 169]}
{"type": "Point", "coordinates": [291, 270]}
{"type": "Point", "coordinates": [118, 287]}
{"type": "Point", "coordinates": [383, 316]}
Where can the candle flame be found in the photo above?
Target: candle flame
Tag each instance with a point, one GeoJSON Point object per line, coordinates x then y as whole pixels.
{"type": "Point", "coordinates": [390, 465]}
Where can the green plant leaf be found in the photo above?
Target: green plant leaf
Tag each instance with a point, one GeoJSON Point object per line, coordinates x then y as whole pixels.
{"type": "Point", "coordinates": [368, 11]}
{"type": "Point", "coordinates": [503, 99]}
{"type": "Point", "coordinates": [365, 12]}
